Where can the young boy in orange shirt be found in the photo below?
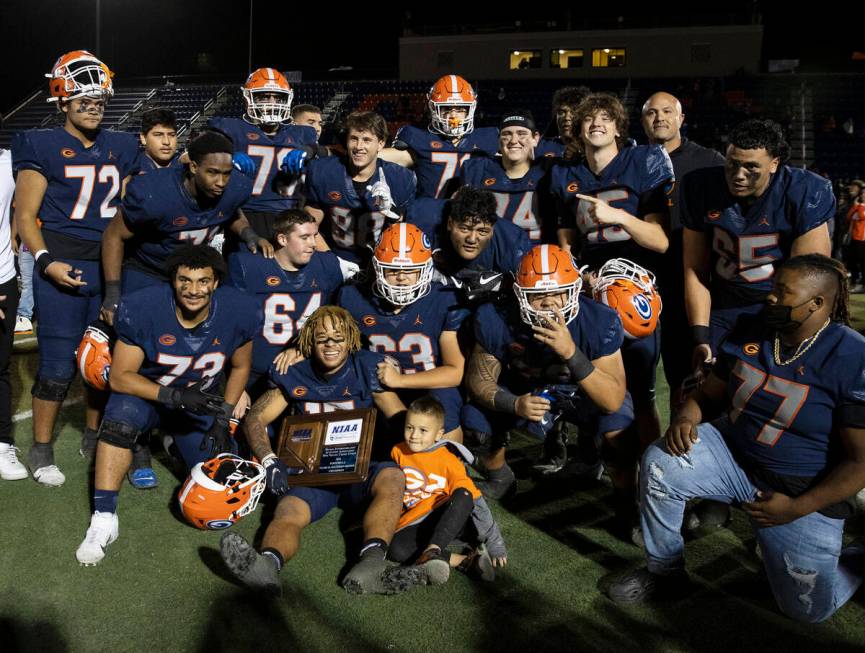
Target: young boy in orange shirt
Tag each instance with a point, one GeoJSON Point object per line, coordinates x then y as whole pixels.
{"type": "Point", "coordinates": [440, 501]}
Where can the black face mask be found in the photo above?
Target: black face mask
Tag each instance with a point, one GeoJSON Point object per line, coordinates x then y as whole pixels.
{"type": "Point", "coordinates": [777, 317]}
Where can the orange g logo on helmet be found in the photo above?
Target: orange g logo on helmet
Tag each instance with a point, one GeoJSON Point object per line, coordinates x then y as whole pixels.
{"type": "Point", "coordinates": [334, 196]}
{"type": "Point", "coordinates": [167, 339]}
{"type": "Point", "coordinates": [67, 153]}
{"type": "Point", "coordinates": [368, 320]}
{"type": "Point", "coordinates": [299, 391]}
{"type": "Point", "coordinates": [272, 281]}
{"type": "Point", "coordinates": [489, 181]}
{"type": "Point", "coordinates": [751, 349]}
{"type": "Point", "coordinates": [573, 187]}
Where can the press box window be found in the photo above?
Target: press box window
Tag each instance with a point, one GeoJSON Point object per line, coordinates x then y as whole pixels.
{"type": "Point", "coordinates": [521, 59]}
{"type": "Point", "coordinates": [563, 58]}
{"type": "Point", "coordinates": [608, 58]}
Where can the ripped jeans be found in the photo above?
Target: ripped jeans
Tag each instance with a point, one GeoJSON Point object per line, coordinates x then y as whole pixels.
{"type": "Point", "coordinates": [809, 574]}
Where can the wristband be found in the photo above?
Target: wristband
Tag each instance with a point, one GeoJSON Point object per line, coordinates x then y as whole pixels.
{"type": "Point", "coordinates": [579, 365]}
{"type": "Point", "coordinates": [165, 395]}
{"type": "Point", "coordinates": [112, 295]}
{"type": "Point", "coordinates": [42, 260]}
{"type": "Point", "coordinates": [701, 334]}
{"type": "Point", "coordinates": [267, 459]}
{"type": "Point", "coordinates": [505, 401]}
{"type": "Point", "coordinates": [227, 409]}
{"type": "Point", "coordinates": [248, 235]}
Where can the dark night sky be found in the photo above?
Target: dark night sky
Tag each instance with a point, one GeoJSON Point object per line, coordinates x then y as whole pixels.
{"type": "Point", "coordinates": [156, 37]}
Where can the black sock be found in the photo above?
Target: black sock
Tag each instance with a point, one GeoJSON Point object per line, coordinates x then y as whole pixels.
{"type": "Point", "coordinates": [274, 555]}
{"type": "Point", "coordinates": [374, 547]}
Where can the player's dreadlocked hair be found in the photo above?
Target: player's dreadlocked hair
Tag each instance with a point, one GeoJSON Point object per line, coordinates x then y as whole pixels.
{"type": "Point", "coordinates": [340, 318]}
{"type": "Point", "coordinates": [828, 268]}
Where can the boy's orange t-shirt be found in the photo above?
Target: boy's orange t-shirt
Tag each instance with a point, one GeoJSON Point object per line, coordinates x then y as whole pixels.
{"type": "Point", "coordinates": [431, 477]}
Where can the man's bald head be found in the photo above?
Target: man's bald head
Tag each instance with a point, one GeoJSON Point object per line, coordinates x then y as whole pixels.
{"type": "Point", "coordinates": [662, 120]}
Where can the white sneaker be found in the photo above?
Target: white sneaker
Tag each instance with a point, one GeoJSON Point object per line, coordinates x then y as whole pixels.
{"type": "Point", "coordinates": [23, 326]}
{"type": "Point", "coordinates": [50, 476]}
{"type": "Point", "coordinates": [104, 529]}
{"type": "Point", "coordinates": [10, 468]}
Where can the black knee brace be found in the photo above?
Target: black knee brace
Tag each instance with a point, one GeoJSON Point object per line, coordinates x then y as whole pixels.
{"type": "Point", "coordinates": [482, 443]}
{"type": "Point", "coordinates": [623, 454]}
{"type": "Point", "coordinates": [118, 434]}
{"type": "Point", "coordinates": [50, 389]}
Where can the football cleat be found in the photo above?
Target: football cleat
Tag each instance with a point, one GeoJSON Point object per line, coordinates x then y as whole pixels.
{"type": "Point", "coordinates": [367, 576]}
{"type": "Point", "coordinates": [630, 290]}
{"type": "Point", "coordinates": [452, 91]}
{"type": "Point", "coordinates": [251, 568]}
{"type": "Point", "coordinates": [23, 326]}
{"type": "Point", "coordinates": [40, 459]}
{"type": "Point", "coordinates": [642, 585]}
{"type": "Point", "coordinates": [79, 74]}
{"type": "Point", "coordinates": [104, 529]}
{"type": "Point", "coordinates": [220, 491]}
{"type": "Point", "coordinates": [545, 270]}
{"type": "Point", "coordinates": [403, 248]}
{"type": "Point", "coordinates": [258, 92]}
{"type": "Point", "coordinates": [94, 354]}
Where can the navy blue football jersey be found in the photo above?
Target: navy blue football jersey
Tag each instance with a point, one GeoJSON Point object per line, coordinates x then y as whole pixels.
{"type": "Point", "coordinates": [526, 202]}
{"type": "Point", "coordinates": [149, 165]}
{"type": "Point", "coordinates": [84, 183]}
{"type": "Point", "coordinates": [638, 180]}
{"type": "Point", "coordinates": [528, 364]}
{"type": "Point", "coordinates": [784, 418]}
{"type": "Point", "coordinates": [411, 336]}
{"type": "Point", "coordinates": [437, 160]}
{"type": "Point", "coordinates": [504, 252]}
{"type": "Point", "coordinates": [286, 298]}
{"type": "Point", "coordinates": [351, 224]}
{"type": "Point", "coordinates": [550, 148]}
{"type": "Point", "coordinates": [351, 387]}
{"type": "Point", "coordinates": [272, 192]}
{"type": "Point", "coordinates": [174, 355]}
{"type": "Point", "coordinates": [162, 214]}
{"type": "Point", "coordinates": [748, 243]}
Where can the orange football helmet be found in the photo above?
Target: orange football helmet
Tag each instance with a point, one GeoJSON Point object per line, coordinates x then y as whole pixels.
{"type": "Point", "coordinates": [79, 74]}
{"type": "Point", "coordinates": [630, 290]}
{"type": "Point", "coordinates": [94, 354]}
{"type": "Point", "coordinates": [545, 270]}
{"type": "Point", "coordinates": [267, 81]}
{"type": "Point", "coordinates": [403, 247]}
{"type": "Point", "coordinates": [447, 93]}
{"type": "Point", "coordinates": [219, 491]}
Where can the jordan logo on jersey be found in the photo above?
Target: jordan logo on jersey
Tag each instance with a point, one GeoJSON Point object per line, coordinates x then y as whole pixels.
{"type": "Point", "coordinates": [418, 321]}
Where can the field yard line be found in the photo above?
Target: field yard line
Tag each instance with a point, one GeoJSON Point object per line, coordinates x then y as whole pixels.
{"type": "Point", "coordinates": [27, 414]}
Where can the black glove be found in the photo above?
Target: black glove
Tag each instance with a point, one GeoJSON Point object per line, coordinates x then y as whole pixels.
{"type": "Point", "coordinates": [478, 285]}
{"type": "Point", "coordinates": [192, 399]}
{"type": "Point", "coordinates": [277, 473]}
{"type": "Point", "coordinates": [218, 437]}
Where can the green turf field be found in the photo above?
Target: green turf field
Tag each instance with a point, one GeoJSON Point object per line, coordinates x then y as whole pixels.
{"type": "Point", "coordinates": [162, 586]}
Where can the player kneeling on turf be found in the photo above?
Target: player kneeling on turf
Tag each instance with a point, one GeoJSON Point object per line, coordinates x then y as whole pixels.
{"type": "Point", "coordinates": [173, 343]}
{"type": "Point", "coordinates": [440, 504]}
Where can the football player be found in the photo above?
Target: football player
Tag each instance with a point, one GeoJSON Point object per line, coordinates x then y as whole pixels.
{"type": "Point", "coordinates": [354, 198]}
{"type": "Point", "coordinates": [289, 287]}
{"type": "Point", "coordinates": [467, 236]}
{"type": "Point", "coordinates": [336, 374]}
{"type": "Point", "coordinates": [69, 178]}
{"type": "Point", "coordinates": [307, 114]}
{"type": "Point", "coordinates": [413, 320]}
{"type": "Point", "coordinates": [520, 186]}
{"type": "Point", "coordinates": [741, 222]}
{"type": "Point", "coordinates": [613, 204]}
{"type": "Point", "coordinates": [158, 137]}
{"type": "Point", "coordinates": [549, 335]}
{"type": "Point", "coordinates": [265, 137]}
{"type": "Point", "coordinates": [175, 342]}
{"type": "Point", "coordinates": [790, 447]}
{"type": "Point", "coordinates": [451, 139]}
{"type": "Point", "coordinates": [169, 208]}
{"type": "Point", "coordinates": [564, 143]}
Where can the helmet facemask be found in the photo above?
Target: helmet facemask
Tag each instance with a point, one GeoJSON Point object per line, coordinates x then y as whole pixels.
{"type": "Point", "coordinates": [402, 295]}
{"type": "Point", "coordinates": [534, 317]}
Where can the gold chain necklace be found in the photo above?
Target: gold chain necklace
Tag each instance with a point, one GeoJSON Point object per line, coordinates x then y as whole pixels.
{"type": "Point", "coordinates": [799, 350]}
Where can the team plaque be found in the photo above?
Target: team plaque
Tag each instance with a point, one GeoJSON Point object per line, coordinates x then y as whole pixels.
{"type": "Point", "coordinates": [330, 448]}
